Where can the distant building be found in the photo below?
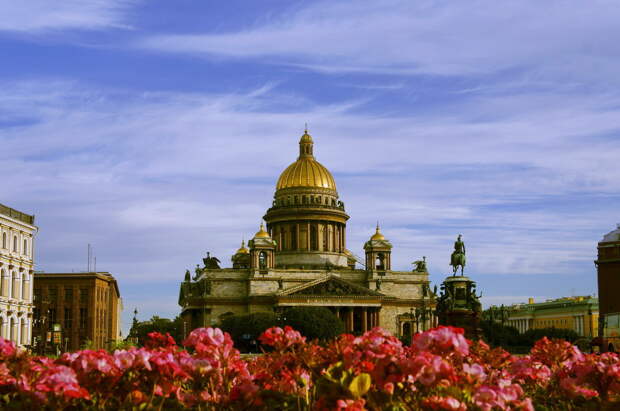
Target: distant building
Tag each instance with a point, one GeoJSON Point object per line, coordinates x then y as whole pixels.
{"type": "Point", "coordinates": [87, 306]}
{"type": "Point", "coordinates": [608, 272]}
{"type": "Point", "coordinates": [16, 268]}
{"type": "Point", "coordinates": [579, 314]}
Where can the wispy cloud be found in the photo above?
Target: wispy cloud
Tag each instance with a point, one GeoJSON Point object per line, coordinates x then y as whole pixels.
{"type": "Point", "coordinates": [430, 37]}
{"type": "Point", "coordinates": [153, 180]}
{"type": "Point", "coordinates": [35, 16]}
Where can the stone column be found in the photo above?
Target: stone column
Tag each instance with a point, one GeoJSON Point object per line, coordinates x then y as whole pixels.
{"type": "Point", "coordinates": [298, 240]}
{"type": "Point", "coordinates": [308, 237]}
{"type": "Point", "coordinates": [364, 319]}
{"type": "Point", "coordinates": [351, 320]}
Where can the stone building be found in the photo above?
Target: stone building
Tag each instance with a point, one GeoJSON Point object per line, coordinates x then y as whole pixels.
{"type": "Point", "coordinates": [300, 258]}
{"type": "Point", "coordinates": [16, 267]}
{"type": "Point", "coordinates": [579, 314]}
{"type": "Point", "coordinates": [87, 306]}
{"type": "Point", "coordinates": [608, 276]}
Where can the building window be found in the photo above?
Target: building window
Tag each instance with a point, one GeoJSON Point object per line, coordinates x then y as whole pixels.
{"type": "Point", "coordinates": [25, 250]}
{"type": "Point", "coordinates": [15, 243]}
{"type": "Point", "coordinates": [53, 294]}
{"type": "Point", "coordinates": [83, 317]}
{"type": "Point", "coordinates": [51, 315]}
{"type": "Point", "coordinates": [84, 295]}
{"type": "Point", "coordinates": [262, 260]}
{"type": "Point", "coordinates": [68, 294]}
{"type": "Point", "coordinates": [68, 318]}
{"type": "Point", "coordinates": [25, 285]}
{"type": "Point", "coordinates": [4, 244]}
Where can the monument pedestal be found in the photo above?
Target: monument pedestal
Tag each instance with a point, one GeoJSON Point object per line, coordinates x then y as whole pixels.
{"type": "Point", "coordinates": [459, 306]}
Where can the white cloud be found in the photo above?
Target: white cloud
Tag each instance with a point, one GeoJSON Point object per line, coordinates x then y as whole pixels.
{"type": "Point", "coordinates": [434, 37]}
{"type": "Point", "coordinates": [155, 180]}
{"type": "Point", "coordinates": [28, 16]}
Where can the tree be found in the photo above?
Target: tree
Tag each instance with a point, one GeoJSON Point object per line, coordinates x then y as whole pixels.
{"type": "Point", "coordinates": [313, 322]}
{"type": "Point", "coordinates": [141, 329]}
{"type": "Point", "coordinates": [245, 329]}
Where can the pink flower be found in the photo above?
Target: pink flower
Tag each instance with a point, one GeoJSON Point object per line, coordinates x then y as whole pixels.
{"type": "Point", "coordinates": [475, 370]}
{"type": "Point", "coordinates": [442, 340]}
{"type": "Point", "coordinates": [444, 403]}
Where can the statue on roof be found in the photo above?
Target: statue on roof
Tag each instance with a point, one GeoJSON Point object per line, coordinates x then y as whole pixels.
{"type": "Point", "coordinates": [457, 259]}
{"type": "Point", "coordinates": [420, 265]}
{"type": "Point", "coordinates": [211, 263]}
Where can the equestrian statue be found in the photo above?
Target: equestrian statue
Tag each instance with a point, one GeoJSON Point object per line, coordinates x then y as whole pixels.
{"type": "Point", "coordinates": [458, 256]}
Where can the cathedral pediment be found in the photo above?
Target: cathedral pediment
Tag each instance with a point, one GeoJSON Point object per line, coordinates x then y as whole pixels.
{"type": "Point", "coordinates": [330, 286]}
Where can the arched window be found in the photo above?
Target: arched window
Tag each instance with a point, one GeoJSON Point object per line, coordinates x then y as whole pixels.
{"type": "Point", "coordinates": [24, 287]}
{"type": "Point", "coordinates": [15, 243]}
{"type": "Point", "coordinates": [380, 261]}
{"type": "Point", "coordinates": [2, 288]}
{"type": "Point", "coordinates": [4, 244]}
{"type": "Point", "coordinates": [262, 260]}
{"type": "Point", "coordinates": [13, 330]}
{"type": "Point", "coordinates": [15, 285]}
{"type": "Point", "coordinates": [25, 250]}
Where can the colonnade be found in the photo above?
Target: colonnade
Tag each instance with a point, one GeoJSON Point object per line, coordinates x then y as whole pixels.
{"type": "Point", "coordinates": [309, 236]}
{"type": "Point", "coordinates": [522, 325]}
{"type": "Point", "coordinates": [357, 318]}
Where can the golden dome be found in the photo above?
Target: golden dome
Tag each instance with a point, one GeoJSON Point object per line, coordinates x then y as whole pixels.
{"type": "Point", "coordinates": [377, 235]}
{"type": "Point", "coordinates": [242, 250]}
{"type": "Point", "coordinates": [306, 171]}
{"type": "Point", "coordinates": [261, 233]}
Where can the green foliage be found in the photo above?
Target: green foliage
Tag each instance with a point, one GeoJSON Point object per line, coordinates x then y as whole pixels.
{"type": "Point", "coordinates": [531, 336]}
{"type": "Point", "coordinates": [141, 329]}
{"type": "Point", "coordinates": [498, 335]}
{"type": "Point", "coordinates": [121, 345]}
{"type": "Point", "coordinates": [245, 329]}
{"type": "Point", "coordinates": [508, 337]}
{"type": "Point", "coordinates": [313, 322]}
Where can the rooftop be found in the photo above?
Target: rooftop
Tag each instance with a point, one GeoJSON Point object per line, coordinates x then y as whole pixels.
{"type": "Point", "coordinates": [17, 215]}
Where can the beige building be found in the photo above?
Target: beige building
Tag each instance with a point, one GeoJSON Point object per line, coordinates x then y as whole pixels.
{"type": "Point", "coordinates": [87, 307]}
{"type": "Point", "coordinates": [16, 268]}
{"type": "Point", "coordinates": [300, 258]}
{"type": "Point", "coordinates": [579, 314]}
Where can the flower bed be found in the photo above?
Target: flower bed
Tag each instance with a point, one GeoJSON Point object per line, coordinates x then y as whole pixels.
{"type": "Point", "coordinates": [441, 370]}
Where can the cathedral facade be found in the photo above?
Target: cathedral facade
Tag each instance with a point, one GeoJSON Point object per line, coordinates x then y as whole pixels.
{"type": "Point", "coordinates": [300, 258]}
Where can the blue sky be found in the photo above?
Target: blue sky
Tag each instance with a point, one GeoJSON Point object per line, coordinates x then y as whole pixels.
{"type": "Point", "coordinates": [155, 130]}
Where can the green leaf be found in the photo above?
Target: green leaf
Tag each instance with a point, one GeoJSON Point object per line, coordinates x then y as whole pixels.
{"type": "Point", "coordinates": [360, 385]}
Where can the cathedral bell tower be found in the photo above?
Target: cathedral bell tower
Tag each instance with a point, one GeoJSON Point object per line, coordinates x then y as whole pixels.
{"type": "Point", "coordinates": [378, 254]}
{"type": "Point", "coordinates": [262, 249]}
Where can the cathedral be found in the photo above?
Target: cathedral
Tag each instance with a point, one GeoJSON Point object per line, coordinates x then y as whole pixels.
{"type": "Point", "coordinates": [300, 258]}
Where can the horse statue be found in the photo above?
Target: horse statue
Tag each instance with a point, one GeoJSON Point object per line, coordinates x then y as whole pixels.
{"type": "Point", "coordinates": [457, 259]}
